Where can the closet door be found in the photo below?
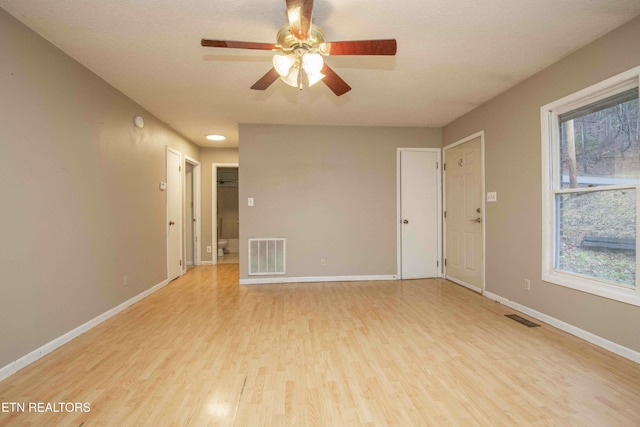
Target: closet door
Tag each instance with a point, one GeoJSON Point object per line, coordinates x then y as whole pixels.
{"type": "Point", "coordinates": [419, 213]}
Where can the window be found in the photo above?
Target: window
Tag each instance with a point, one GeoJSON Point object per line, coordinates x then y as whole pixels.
{"type": "Point", "coordinates": [591, 177]}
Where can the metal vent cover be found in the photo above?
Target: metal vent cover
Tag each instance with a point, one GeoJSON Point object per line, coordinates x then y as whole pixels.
{"type": "Point", "coordinates": [267, 256]}
{"type": "Point", "coordinates": [522, 320]}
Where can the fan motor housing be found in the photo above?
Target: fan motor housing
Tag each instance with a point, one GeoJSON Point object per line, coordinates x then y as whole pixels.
{"type": "Point", "coordinates": [288, 42]}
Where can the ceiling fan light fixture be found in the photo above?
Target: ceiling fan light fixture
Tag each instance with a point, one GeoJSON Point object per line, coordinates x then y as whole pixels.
{"type": "Point", "coordinates": [288, 66]}
{"type": "Point", "coordinates": [292, 79]}
{"type": "Point", "coordinates": [300, 46]}
{"type": "Point", "coordinates": [312, 63]}
{"type": "Point", "coordinates": [314, 78]}
{"type": "Point", "coordinates": [283, 63]}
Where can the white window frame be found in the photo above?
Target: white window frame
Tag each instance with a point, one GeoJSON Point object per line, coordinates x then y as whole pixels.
{"type": "Point", "coordinates": [550, 188]}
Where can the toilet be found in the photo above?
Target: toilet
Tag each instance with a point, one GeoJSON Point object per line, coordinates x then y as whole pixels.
{"type": "Point", "coordinates": [222, 243]}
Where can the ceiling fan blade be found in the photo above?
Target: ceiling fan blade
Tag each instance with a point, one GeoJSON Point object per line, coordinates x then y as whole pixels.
{"type": "Point", "coordinates": [299, 13]}
{"type": "Point", "coordinates": [361, 47]}
{"type": "Point", "coordinates": [238, 45]}
{"type": "Point", "coordinates": [266, 80]}
{"type": "Point", "coordinates": [334, 81]}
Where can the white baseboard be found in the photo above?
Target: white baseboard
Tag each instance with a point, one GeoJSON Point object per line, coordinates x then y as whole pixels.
{"type": "Point", "coordinates": [573, 330]}
{"type": "Point", "coordinates": [28, 359]}
{"type": "Point", "coordinates": [271, 280]}
{"type": "Point", "coordinates": [207, 263]}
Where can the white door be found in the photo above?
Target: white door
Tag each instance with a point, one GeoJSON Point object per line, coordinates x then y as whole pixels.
{"type": "Point", "coordinates": [419, 213]}
{"type": "Point", "coordinates": [463, 214]}
{"type": "Point", "coordinates": [174, 215]}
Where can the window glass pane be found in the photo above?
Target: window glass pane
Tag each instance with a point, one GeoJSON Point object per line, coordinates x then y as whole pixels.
{"type": "Point", "coordinates": [596, 234]}
{"type": "Point", "coordinates": [599, 143]}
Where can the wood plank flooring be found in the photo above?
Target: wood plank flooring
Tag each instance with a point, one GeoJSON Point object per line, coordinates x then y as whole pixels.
{"type": "Point", "coordinates": [206, 351]}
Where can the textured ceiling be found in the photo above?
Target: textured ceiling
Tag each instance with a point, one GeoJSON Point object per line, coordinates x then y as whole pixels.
{"type": "Point", "coordinates": [452, 55]}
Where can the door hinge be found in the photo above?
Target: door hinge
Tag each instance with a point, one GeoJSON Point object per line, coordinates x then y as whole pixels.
{"type": "Point", "coordinates": [445, 262]}
{"type": "Point", "coordinates": [437, 263]}
{"type": "Point", "coordinates": [179, 168]}
{"type": "Point", "coordinates": [445, 214]}
{"type": "Point", "coordinates": [180, 262]}
{"type": "Point", "coordinates": [444, 166]}
{"type": "Point", "coordinates": [437, 165]}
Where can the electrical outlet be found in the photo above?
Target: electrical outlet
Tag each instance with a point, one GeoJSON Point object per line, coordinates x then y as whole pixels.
{"type": "Point", "coordinates": [125, 281]}
{"type": "Point", "coordinates": [527, 284]}
{"type": "Point", "coordinates": [323, 261]}
{"type": "Point", "coordinates": [208, 249]}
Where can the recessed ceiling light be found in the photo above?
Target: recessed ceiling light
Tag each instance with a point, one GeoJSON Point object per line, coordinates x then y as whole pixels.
{"type": "Point", "coordinates": [216, 138]}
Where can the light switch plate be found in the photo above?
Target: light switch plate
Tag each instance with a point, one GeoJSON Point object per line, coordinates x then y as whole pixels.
{"type": "Point", "coordinates": [250, 201]}
{"type": "Point", "coordinates": [492, 196]}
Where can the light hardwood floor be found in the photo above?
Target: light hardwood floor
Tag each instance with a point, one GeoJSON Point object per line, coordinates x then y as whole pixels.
{"type": "Point", "coordinates": [205, 351]}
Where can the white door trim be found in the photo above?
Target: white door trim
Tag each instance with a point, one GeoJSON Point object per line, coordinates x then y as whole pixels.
{"type": "Point", "coordinates": [214, 206]}
{"type": "Point", "coordinates": [196, 208]}
{"type": "Point", "coordinates": [484, 211]}
{"type": "Point", "coordinates": [438, 152]}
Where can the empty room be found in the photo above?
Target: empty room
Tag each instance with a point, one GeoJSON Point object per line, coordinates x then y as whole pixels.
{"type": "Point", "coordinates": [319, 213]}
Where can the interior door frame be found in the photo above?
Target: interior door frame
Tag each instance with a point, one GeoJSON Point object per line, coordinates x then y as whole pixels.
{"type": "Point", "coordinates": [438, 152]}
{"type": "Point", "coordinates": [196, 209]}
{"type": "Point", "coordinates": [214, 205]}
{"type": "Point", "coordinates": [479, 134]}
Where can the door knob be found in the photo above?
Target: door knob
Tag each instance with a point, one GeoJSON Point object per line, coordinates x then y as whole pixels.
{"type": "Point", "coordinates": [476, 220]}
{"type": "Point", "coordinates": [172, 223]}
{"type": "Point", "coordinates": [406, 221]}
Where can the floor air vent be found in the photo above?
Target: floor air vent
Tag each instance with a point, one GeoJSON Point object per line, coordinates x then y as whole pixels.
{"type": "Point", "coordinates": [521, 320]}
{"type": "Point", "coordinates": [267, 256]}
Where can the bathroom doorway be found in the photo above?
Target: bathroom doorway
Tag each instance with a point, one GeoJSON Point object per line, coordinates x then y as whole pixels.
{"type": "Point", "coordinates": [191, 212]}
{"type": "Point", "coordinates": [226, 218]}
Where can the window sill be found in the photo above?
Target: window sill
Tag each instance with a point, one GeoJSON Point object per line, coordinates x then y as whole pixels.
{"type": "Point", "coordinates": [586, 284]}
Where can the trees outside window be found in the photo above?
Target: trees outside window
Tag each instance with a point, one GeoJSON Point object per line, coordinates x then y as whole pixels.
{"type": "Point", "coordinates": [591, 161]}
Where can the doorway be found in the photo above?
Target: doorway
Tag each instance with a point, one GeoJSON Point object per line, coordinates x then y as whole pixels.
{"type": "Point", "coordinates": [419, 213]}
{"type": "Point", "coordinates": [225, 216]}
{"type": "Point", "coordinates": [465, 212]}
{"type": "Point", "coordinates": [191, 213]}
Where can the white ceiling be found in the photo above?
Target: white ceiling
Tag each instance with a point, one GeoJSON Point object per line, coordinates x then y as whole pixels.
{"type": "Point", "coordinates": [452, 55]}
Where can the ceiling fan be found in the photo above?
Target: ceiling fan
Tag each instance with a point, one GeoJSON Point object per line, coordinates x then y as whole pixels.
{"type": "Point", "coordinates": [301, 46]}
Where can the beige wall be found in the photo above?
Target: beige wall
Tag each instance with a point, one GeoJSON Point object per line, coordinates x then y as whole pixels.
{"type": "Point", "coordinates": [331, 191]}
{"type": "Point", "coordinates": [208, 156]}
{"type": "Point", "coordinates": [81, 207]}
{"type": "Point", "coordinates": [513, 169]}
